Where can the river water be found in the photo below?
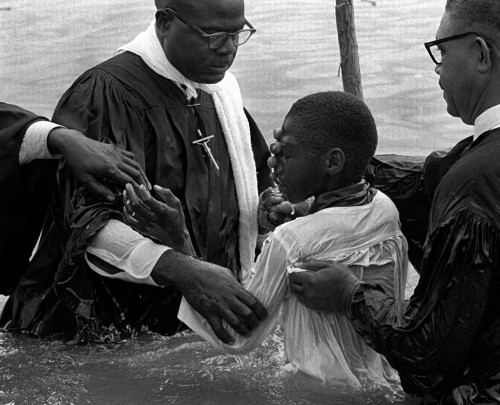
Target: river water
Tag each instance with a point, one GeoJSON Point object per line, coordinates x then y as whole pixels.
{"type": "Point", "coordinates": [45, 45]}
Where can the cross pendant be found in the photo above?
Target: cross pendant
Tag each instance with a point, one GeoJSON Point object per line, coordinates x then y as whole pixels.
{"type": "Point", "coordinates": [203, 141]}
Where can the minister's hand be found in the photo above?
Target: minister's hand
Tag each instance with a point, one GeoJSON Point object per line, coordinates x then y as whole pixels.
{"type": "Point", "coordinates": [212, 291]}
{"type": "Point", "coordinates": [92, 163]}
{"type": "Point", "coordinates": [326, 286]}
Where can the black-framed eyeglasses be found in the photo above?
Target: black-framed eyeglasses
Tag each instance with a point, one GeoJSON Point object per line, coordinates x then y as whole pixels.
{"type": "Point", "coordinates": [435, 52]}
{"type": "Point", "coordinates": [217, 39]}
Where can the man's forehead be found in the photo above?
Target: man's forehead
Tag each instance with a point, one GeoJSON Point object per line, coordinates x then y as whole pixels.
{"type": "Point", "coordinates": [206, 6]}
{"type": "Point", "coordinates": [447, 27]}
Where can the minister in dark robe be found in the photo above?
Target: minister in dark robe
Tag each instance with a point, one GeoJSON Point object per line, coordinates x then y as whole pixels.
{"type": "Point", "coordinates": [445, 340]}
{"type": "Point", "coordinates": [168, 98]}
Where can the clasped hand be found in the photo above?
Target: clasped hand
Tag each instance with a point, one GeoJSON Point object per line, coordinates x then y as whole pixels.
{"type": "Point", "coordinates": [162, 219]}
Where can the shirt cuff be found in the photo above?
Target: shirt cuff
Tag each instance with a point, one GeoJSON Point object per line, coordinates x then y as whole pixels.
{"type": "Point", "coordinates": [34, 144]}
{"type": "Point", "coordinates": [129, 255]}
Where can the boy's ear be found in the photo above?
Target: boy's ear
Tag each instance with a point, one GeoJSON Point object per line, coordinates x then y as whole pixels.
{"type": "Point", "coordinates": [336, 161]}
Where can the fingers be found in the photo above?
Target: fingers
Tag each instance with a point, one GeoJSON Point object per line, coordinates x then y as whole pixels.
{"type": "Point", "coordinates": [275, 148]}
{"type": "Point", "coordinates": [96, 188]}
{"type": "Point", "coordinates": [272, 200]}
{"type": "Point", "coordinates": [168, 197]}
{"type": "Point", "coordinates": [216, 325]}
{"type": "Point", "coordinates": [122, 167]}
{"type": "Point", "coordinates": [236, 322]}
{"type": "Point", "coordinates": [258, 311]}
{"type": "Point", "coordinates": [134, 169]}
{"type": "Point", "coordinates": [284, 208]}
{"type": "Point", "coordinates": [241, 318]}
{"type": "Point", "coordinates": [134, 223]}
{"type": "Point", "coordinates": [135, 204]}
{"type": "Point", "coordinates": [298, 278]}
{"type": "Point", "coordinates": [272, 162]}
{"type": "Point", "coordinates": [276, 218]}
{"type": "Point", "coordinates": [267, 192]}
{"type": "Point", "coordinates": [130, 172]}
{"type": "Point", "coordinates": [277, 133]}
{"type": "Point", "coordinates": [117, 175]}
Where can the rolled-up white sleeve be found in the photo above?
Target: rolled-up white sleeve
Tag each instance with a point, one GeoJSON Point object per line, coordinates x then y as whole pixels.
{"type": "Point", "coordinates": [34, 145]}
{"type": "Point", "coordinates": [119, 252]}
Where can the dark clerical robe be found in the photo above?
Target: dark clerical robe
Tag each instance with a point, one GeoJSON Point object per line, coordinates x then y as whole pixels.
{"type": "Point", "coordinates": [444, 341]}
{"type": "Point", "coordinates": [24, 196]}
{"type": "Point", "coordinates": [124, 102]}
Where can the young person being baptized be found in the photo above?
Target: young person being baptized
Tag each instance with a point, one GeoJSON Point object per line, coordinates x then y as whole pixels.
{"type": "Point", "coordinates": [326, 142]}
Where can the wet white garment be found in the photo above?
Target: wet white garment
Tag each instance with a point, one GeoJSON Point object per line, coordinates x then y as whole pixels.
{"type": "Point", "coordinates": [366, 238]}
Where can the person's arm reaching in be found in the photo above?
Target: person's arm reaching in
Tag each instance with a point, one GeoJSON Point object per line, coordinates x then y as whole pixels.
{"type": "Point", "coordinates": [90, 162]}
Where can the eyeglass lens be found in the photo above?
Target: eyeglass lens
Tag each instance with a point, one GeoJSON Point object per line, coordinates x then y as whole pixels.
{"type": "Point", "coordinates": [239, 38]}
{"type": "Point", "coordinates": [436, 53]}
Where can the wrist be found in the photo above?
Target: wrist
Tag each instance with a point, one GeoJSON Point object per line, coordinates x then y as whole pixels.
{"type": "Point", "coordinates": [57, 141]}
{"type": "Point", "coordinates": [61, 139]}
{"type": "Point", "coordinates": [173, 268]}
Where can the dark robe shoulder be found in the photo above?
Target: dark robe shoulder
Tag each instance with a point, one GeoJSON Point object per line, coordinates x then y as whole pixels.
{"type": "Point", "coordinates": [24, 196]}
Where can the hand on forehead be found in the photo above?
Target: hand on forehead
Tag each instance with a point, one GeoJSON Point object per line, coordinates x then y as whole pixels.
{"type": "Point", "coordinates": [275, 148]}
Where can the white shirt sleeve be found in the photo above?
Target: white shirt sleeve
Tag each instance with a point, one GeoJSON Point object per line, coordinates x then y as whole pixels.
{"type": "Point", "coordinates": [34, 144]}
{"type": "Point", "coordinates": [118, 251]}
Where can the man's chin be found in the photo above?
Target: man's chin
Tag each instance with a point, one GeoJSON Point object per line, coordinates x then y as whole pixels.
{"type": "Point", "coordinates": [213, 76]}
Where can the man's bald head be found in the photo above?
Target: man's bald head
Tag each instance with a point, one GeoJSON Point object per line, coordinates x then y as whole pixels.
{"type": "Point", "coordinates": [161, 4]}
{"type": "Point", "coordinates": [194, 7]}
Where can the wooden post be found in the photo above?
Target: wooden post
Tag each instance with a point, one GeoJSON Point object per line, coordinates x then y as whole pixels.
{"type": "Point", "coordinates": [349, 58]}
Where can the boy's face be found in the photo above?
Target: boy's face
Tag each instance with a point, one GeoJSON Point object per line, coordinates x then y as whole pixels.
{"type": "Point", "coordinates": [299, 174]}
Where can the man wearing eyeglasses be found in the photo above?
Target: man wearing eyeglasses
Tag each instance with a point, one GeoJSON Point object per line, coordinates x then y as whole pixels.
{"type": "Point", "coordinates": [168, 97]}
{"type": "Point", "coordinates": [445, 340]}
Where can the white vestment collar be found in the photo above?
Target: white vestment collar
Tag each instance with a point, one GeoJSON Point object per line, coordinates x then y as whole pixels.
{"type": "Point", "coordinates": [486, 121]}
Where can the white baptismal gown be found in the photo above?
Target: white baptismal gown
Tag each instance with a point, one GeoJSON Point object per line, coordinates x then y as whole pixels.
{"type": "Point", "coordinates": [366, 238]}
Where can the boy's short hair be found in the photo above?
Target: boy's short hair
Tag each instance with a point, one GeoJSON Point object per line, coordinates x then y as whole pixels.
{"type": "Point", "coordinates": [334, 119]}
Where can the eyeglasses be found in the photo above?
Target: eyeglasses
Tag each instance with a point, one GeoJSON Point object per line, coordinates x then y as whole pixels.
{"type": "Point", "coordinates": [435, 52]}
{"type": "Point", "coordinates": [217, 39]}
